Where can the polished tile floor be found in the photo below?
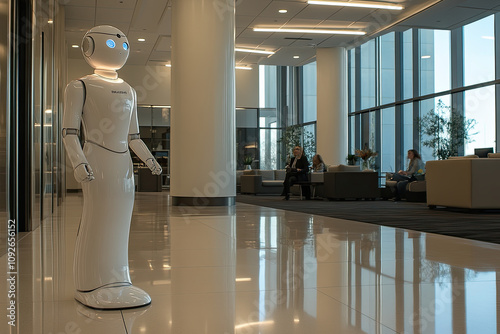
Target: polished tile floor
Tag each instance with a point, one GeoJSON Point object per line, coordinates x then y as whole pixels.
{"type": "Point", "coordinates": [250, 269]}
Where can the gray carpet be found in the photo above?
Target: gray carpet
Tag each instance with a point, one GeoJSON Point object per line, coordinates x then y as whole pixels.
{"type": "Point", "coordinates": [478, 225]}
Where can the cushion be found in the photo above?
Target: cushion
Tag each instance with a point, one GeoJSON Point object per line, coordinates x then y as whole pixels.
{"type": "Point", "coordinates": [251, 172]}
{"type": "Point", "coordinates": [272, 183]}
{"type": "Point", "coordinates": [472, 156]}
{"type": "Point", "coordinates": [317, 177]}
{"type": "Point", "coordinates": [344, 168]}
{"type": "Point", "coordinates": [267, 175]}
{"type": "Point", "coordinates": [493, 155]}
{"type": "Point", "coordinates": [280, 174]}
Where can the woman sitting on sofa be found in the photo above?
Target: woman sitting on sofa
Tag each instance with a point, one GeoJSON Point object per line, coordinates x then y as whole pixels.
{"type": "Point", "coordinates": [403, 177]}
{"type": "Point", "coordinates": [297, 170]}
{"type": "Point", "coordinates": [318, 164]}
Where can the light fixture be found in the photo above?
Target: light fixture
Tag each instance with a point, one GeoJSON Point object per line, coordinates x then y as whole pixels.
{"type": "Point", "coordinates": [243, 67]}
{"type": "Point", "coordinates": [168, 65]}
{"type": "Point", "coordinates": [312, 31]}
{"type": "Point", "coordinates": [243, 279]}
{"type": "Point", "coordinates": [48, 111]}
{"type": "Point", "coordinates": [75, 46]}
{"type": "Point", "coordinates": [283, 11]}
{"type": "Point", "coordinates": [141, 39]}
{"type": "Point", "coordinates": [50, 21]}
{"type": "Point", "coordinates": [296, 57]}
{"type": "Point", "coordinates": [425, 57]}
{"type": "Point", "coordinates": [254, 51]}
{"type": "Point", "coordinates": [364, 4]}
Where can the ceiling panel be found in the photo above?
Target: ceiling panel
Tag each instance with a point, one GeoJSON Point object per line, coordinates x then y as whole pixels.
{"type": "Point", "coordinates": [243, 20]}
{"type": "Point", "coordinates": [148, 14]}
{"type": "Point", "coordinates": [128, 4]}
{"type": "Point", "coordinates": [83, 3]}
{"type": "Point", "coordinates": [293, 9]}
{"type": "Point", "coordinates": [269, 21]}
{"type": "Point", "coordinates": [317, 12]}
{"type": "Point", "coordinates": [163, 44]}
{"type": "Point", "coordinates": [123, 26]}
{"type": "Point", "coordinates": [160, 56]}
{"type": "Point", "coordinates": [250, 7]}
{"type": "Point", "coordinates": [80, 13]}
{"type": "Point", "coordinates": [483, 4]}
{"type": "Point", "coordinates": [114, 15]}
{"type": "Point", "coordinates": [351, 14]}
{"type": "Point", "coordinates": [302, 23]}
{"type": "Point", "coordinates": [164, 28]}
{"type": "Point", "coordinates": [79, 25]}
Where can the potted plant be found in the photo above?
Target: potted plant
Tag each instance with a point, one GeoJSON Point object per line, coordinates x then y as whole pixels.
{"type": "Point", "coordinates": [445, 130]}
{"type": "Point", "coordinates": [351, 159]}
{"type": "Point", "coordinates": [247, 161]}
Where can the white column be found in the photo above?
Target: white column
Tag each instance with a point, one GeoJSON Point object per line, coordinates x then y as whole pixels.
{"type": "Point", "coordinates": [331, 137]}
{"type": "Point", "coordinates": [202, 167]}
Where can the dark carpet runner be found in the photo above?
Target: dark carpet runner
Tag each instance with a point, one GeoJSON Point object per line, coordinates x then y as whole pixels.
{"type": "Point", "coordinates": [478, 225]}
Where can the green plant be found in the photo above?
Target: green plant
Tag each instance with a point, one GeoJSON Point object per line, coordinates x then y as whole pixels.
{"type": "Point", "coordinates": [247, 160]}
{"type": "Point", "coordinates": [445, 130]}
{"type": "Point", "coordinates": [351, 159]}
{"type": "Point", "coordinates": [296, 135]}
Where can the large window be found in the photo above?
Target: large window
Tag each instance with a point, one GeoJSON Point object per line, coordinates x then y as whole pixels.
{"type": "Point", "coordinates": [309, 92]}
{"type": "Point", "coordinates": [418, 64]}
{"type": "Point", "coordinates": [368, 62]}
{"type": "Point", "coordinates": [435, 61]}
{"type": "Point", "coordinates": [387, 69]}
{"type": "Point", "coordinates": [479, 51]}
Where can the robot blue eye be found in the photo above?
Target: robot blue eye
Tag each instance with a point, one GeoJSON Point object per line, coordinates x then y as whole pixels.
{"type": "Point", "coordinates": [110, 43]}
{"type": "Point", "coordinates": [125, 46]}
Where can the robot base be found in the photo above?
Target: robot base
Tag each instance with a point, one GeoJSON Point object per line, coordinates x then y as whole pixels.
{"type": "Point", "coordinates": [114, 297]}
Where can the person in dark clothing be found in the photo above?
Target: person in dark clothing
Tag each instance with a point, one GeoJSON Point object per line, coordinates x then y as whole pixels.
{"type": "Point", "coordinates": [297, 170]}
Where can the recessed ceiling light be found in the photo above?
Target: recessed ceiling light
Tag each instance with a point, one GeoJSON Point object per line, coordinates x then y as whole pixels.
{"type": "Point", "coordinates": [243, 67]}
{"type": "Point", "coordinates": [313, 31]}
{"type": "Point", "coordinates": [283, 11]}
{"type": "Point", "coordinates": [74, 46]}
{"type": "Point", "coordinates": [168, 65]}
{"type": "Point", "coordinates": [50, 21]}
{"type": "Point", "coordinates": [254, 51]}
{"type": "Point", "coordinates": [426, 57]}
{"type": "Point", "coordinates": [363, 4]}
{"type": "Point", "coordinates": [141, 39]}
{"type": "Point", "coordinates": [296, 57]}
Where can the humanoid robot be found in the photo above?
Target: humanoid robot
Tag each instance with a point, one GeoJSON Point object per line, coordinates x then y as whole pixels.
{"type": "Point", "coordinates": [107, 107]}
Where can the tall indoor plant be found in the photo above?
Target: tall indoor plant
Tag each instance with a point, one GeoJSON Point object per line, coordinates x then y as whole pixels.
{"type": "Point", "coordinates": [445, 130]}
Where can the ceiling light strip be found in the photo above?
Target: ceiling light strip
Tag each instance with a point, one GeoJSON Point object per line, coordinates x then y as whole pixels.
{"type": "Point", "coordinates": [377, 5]}
{"type": "Point", "coordinates": [313, 31]}
{"type": "Point", "coordinates": [243, 68]}
{"type": "Point", "coordinates": [254, 51]}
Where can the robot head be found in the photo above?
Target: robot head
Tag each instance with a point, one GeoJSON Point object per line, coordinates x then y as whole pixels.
{"type": "Point", "coordinates": [105, 48]}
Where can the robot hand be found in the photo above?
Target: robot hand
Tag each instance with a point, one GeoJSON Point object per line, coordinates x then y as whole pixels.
{"type": "Point", "coordinates": [154, 166]}
{"type": "Point", "coordinates": [83, 173]}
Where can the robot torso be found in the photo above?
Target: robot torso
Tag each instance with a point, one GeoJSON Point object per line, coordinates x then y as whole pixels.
{"type": "Point", "coordinates": [107, 112]}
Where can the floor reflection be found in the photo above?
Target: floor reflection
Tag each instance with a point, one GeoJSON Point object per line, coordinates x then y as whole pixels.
{"type": "Point", "coordinates": [249, 269]}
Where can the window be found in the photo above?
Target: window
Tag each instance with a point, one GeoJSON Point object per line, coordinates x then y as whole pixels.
{"type": "Point", "coordinates": [388, 143]}
{"type": "Point", "coordinates": [368, 61]}
{"type": "Point", "coordinates": [387, 69]}
{"type": "Point", "coordinates": [435, 63]}
{"type": "Point", "coordinates": [309, 92]}
{"type": "Point", "coordinates": [480, 106]}
{"type": "Point", "coordinates": [479, 51]}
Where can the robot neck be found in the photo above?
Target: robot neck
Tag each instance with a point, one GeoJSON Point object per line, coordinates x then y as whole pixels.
{"type": "Point", "coordinates": [109, 74]}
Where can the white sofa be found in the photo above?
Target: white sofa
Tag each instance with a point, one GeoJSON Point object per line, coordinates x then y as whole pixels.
{"type": "Point", "coordinates": [463, 183]}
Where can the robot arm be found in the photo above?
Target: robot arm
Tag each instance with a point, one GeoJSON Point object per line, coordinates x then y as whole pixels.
{"type": "Point", "coordinates": [137, 145]}
{"type": "Point", "coordinates": [73, 106]}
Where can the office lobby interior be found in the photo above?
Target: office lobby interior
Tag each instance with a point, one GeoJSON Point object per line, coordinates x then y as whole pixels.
{"type": "Point", "coordinates": [219, 82]}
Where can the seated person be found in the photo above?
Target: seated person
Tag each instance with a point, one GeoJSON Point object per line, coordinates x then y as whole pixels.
{"type": "Point", "coordinates": [318, 164]}
{"type": "Point", "coordinates": [403, 177]}
{"type": "Point", "coordinates": [297, 170]}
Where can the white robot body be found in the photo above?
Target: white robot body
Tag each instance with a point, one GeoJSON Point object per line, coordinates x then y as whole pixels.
{"type": "Point", "coordinates": [106, 106]}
